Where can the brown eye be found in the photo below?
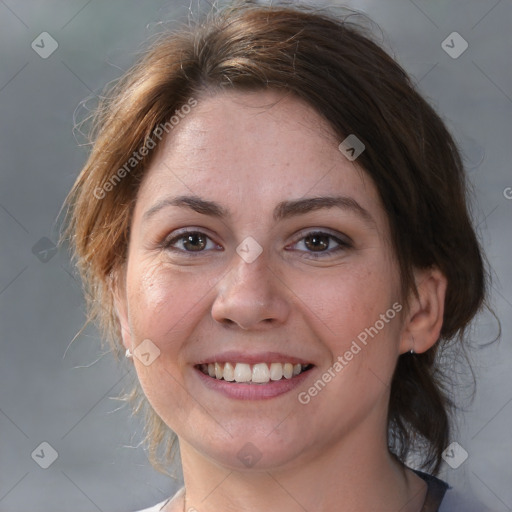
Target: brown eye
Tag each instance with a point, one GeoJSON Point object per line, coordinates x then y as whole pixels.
{"type": "Point", "coordinates": [317, 242]}
{"type": "Point", "coordinates": [320, 244]}
{"type": "Point", "coordinates": [190, 241]}
{"type": "Point", "coordinates": [195, 241]}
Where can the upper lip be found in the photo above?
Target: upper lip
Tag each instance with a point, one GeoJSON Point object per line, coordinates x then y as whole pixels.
{"type": "Point", "coordinates": [234, 356]}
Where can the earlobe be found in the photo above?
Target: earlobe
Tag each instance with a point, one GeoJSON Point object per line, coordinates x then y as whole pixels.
{"type": "Point", "coordinates": [424, 320]}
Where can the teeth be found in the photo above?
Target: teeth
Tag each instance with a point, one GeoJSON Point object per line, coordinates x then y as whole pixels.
{"type": "Point", "coordinates": [242, 372]}
{"type": "Point", "coordinates": [229, 372]}
{"type": "Point", "coordinates": [276, 371]}
{"type": "Point", "coordinates": [260, 373]}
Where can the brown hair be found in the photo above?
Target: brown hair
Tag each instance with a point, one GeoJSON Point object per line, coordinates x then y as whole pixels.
{"type": "Point", "coordinates": [333, 65]}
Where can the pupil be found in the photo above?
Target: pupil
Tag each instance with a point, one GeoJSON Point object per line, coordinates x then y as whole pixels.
{"type": "Point", "coordinates": [194, 242]}
{"type": "Point", "coordinates": [317, 242]}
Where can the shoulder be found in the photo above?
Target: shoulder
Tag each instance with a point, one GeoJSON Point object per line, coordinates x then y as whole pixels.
{"type": "Point", "coordinates": [435, 492]}
{"type": "Point", "coordinates": [457, 502]}
{"type": "Point", "coordinates": [174, 503]}
{"type": "Point", "coordinates": [443, 498]}
{"type": "Point", "coordinates": [155, 508]}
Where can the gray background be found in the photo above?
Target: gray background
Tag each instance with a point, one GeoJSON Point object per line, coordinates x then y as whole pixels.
{"type": "Point", "coordinates": [57, 392]}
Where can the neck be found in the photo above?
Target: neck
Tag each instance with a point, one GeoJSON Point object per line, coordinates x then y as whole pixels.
{"type": "Point", "coordinates": [354, 474]}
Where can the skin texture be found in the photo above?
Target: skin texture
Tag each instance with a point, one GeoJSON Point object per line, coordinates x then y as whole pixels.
{"type": "Point", "coordinates": [248, 152]}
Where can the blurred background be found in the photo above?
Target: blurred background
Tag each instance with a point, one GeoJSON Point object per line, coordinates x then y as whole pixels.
{"type": "Point", "coordinates": [65, 442]}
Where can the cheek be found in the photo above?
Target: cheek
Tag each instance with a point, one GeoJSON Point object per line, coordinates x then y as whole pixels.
{"type": "Point", "coordinates": [351, 300]}
{"type": "Point", "coordinates": [161, 302]}
{"type": "Point", "coordinates": [163, 309]}
{"type": "Point", "coordinates": [357, 319]}
{"type": "Point", "coordinates": [355, 315]}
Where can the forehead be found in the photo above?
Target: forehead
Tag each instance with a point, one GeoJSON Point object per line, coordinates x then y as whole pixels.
{"type": "Point", "coordinates": [254, 148]}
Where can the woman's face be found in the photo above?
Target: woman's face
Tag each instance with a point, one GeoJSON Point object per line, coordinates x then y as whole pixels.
{"type": "Point", "coordinates": [256, 242]}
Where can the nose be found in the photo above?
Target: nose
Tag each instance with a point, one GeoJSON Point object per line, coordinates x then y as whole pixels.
{"type": "Point", "coordinates": [251, 296]}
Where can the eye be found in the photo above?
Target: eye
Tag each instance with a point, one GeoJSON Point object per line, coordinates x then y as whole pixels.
{"type": "Point", "coordinates": [190, 241]}
{"type": "Point", "coordinates": [319, 244]}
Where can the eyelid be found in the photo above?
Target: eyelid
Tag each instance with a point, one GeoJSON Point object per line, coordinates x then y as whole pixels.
{"type": "Point", "coordinates": [342, 237]}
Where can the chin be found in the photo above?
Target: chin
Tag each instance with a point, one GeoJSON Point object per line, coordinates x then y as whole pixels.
{"type": "Point", "coordinates": [255, 452]}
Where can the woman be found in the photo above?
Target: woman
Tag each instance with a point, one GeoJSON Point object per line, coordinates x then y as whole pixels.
{"type": "Point", "coordinates": [273, 225]}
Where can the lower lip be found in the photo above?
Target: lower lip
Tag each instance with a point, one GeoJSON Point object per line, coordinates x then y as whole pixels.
{"type": "Point", "coordinates": [242, 391]}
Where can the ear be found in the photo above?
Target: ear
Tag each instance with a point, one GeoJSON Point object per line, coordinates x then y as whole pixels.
{"type": "Point", "coordinates": [118, 290]}
{"type": "Point", "coordinates": [424, 319]}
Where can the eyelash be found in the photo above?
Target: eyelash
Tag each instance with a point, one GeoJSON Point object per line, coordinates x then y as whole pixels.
{"type": "Point", "coordinates": [168, 242]}
{"type": "Point", "coordinates": [342, 244]}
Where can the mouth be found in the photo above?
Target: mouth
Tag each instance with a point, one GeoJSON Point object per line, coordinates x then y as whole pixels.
{"type": "Point", "coordinates": [259, 373]}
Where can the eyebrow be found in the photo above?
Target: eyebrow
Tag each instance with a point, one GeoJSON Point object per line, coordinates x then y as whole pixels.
{"type": "Point", "coordinates": [302, 206]}
{"type": "Point", "coordinates": [195, 203]}
{"type": "Point", "coordinates": [283, 210]}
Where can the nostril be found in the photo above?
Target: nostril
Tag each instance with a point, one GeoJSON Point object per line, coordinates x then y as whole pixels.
{"type": "Point", "coordinates": [227, 322]}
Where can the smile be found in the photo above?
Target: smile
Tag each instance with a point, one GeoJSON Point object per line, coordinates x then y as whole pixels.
{"type": "Point", "coordinates": [260, 373]}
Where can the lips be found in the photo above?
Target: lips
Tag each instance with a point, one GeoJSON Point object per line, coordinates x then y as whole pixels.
{"type": "Point", "coordinates": [245, 376]}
